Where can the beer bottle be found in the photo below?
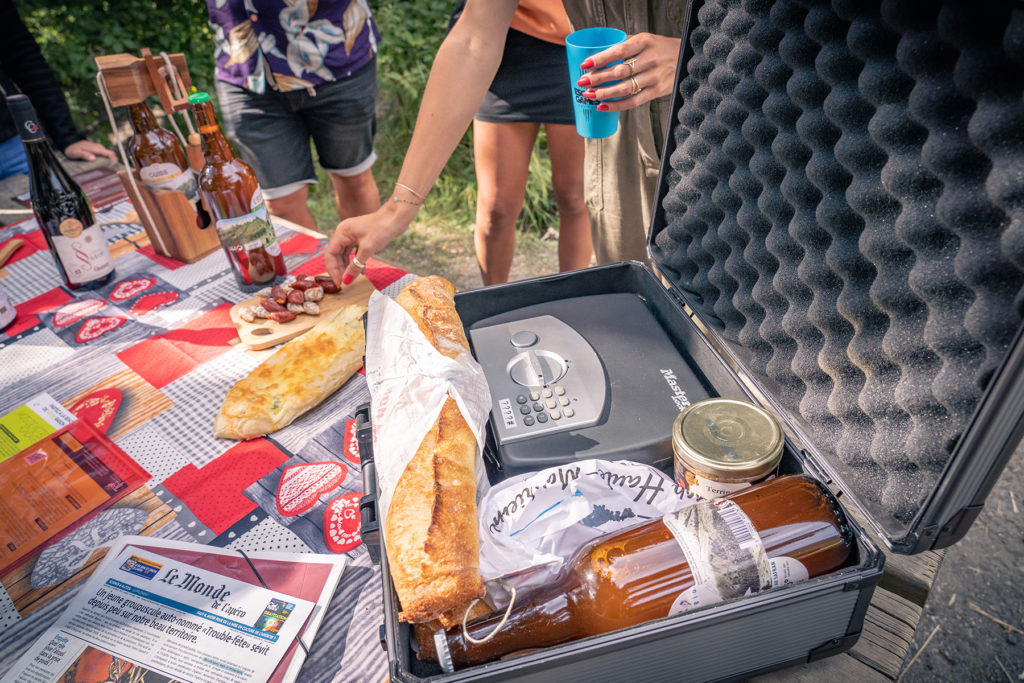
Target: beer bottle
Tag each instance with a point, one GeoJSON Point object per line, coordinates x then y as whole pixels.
{"type": "Point", "coordinates": [775, 533]}
{"type": "Point", "coordinates": [158, 156]}
{"type": "Point", "coordinates": [232, 194]}
{"type": "Point", "coordinates": [60, 207]}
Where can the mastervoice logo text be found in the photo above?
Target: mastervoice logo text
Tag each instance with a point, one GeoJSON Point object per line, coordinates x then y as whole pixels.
{"type": "Point", "coordinates": [678, 395]}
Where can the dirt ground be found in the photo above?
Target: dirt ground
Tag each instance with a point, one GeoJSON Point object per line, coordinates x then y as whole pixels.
{"type": "Point", "coordinates": [972, 628]}
{"type": "Point", "coordinates": [449, 252]}
{"type": "Point", "coordinates": [973, 623]}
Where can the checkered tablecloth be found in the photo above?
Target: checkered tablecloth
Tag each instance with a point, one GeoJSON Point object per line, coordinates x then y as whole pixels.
{"type": "Point", "coordinates": [157, 350]}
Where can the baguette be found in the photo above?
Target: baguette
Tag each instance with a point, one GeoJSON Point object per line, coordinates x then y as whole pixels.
{"type": "Point", "coordinates": [430, 530]}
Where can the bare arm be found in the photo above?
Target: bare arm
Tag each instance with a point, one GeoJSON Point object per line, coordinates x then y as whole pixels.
{"type": "Point", "coordinates": [462, 71]}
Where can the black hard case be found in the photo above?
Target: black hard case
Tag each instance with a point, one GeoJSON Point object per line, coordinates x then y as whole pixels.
{"type": "Point", "coordinates": [694, 240]}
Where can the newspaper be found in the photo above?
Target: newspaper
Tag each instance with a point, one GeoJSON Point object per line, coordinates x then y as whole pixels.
{"type": "Point", "coordinates": [159, 610]}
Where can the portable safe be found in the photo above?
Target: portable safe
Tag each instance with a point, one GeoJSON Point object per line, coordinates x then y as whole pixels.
{"type": "Point", "coordinates": [839, 209]}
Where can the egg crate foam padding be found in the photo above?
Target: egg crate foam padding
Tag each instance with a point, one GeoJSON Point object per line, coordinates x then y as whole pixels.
{"type": "Point", "coordinates": [844, 208]}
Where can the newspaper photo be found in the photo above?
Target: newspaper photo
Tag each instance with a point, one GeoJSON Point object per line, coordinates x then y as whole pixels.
{"type": "Point", "coordinates": [160, 611]}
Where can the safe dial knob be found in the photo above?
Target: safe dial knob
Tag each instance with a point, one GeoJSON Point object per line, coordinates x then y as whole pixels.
{"type": "Point", "coordinates": [536, 368]}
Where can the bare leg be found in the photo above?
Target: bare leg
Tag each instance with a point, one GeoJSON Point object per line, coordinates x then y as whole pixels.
{"type": "Point", "coordinates": [355, 195]}
{"type": "Point", "coordinates": [501, 153]}
{"type": "Point", "coordinates": [575, 246]}
{"type": "Point", "coordinates": [293, 207]}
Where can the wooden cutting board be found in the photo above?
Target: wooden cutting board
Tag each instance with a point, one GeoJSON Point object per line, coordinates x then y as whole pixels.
{"type": "Point", "coordinates": [263, 333]}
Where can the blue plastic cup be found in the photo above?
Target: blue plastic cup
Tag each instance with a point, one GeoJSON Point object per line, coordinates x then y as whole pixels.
{"type": "Point", "coordinates": [590, 123]}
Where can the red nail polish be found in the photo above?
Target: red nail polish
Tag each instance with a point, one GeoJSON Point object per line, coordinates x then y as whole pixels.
{"type": "Point", "coordinates": [600, 107]}
{"type": "Point", "coordinates": [587, 63]}
{"type": "Point", "coordinates": [347, 279]}
{"type": "Point", "coordinates": [583, 82]}
{"type": "Point", "coordinates": [590, 94]}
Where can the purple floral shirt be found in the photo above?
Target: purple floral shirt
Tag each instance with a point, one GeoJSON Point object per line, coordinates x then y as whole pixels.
{"type": "Point", "coordinates": [291, 44]}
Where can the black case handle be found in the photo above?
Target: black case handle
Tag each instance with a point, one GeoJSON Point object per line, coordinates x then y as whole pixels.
{"type": "Point", "coordinates": [369, 526]}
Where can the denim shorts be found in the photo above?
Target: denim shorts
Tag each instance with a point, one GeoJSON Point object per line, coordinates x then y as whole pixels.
{"type": "Point", "coordinates": [273, 130]}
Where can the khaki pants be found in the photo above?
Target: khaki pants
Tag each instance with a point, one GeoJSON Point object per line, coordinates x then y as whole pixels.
{"type": "Point", "coordinates": [621, 172]}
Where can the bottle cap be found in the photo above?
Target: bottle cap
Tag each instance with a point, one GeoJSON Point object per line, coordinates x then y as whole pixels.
{"type": "Point", "coordinates": [25, 117]}
{"type": "Point", "coordinates": [728, 440]}
{"type": "Point", "coordinates": [198, 97]}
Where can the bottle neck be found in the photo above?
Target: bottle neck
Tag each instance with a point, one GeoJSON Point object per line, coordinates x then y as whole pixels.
{"type": "Point", "coordinates": [215, 145]}
{"type": "Point", "coordinates": [142, 118]}
{"type": "Point", "coordinates": [26, 121]}
{"type": "Point", "coordinates": [47, 177]}
{"type": "Point", "coordinates": [546, 619]}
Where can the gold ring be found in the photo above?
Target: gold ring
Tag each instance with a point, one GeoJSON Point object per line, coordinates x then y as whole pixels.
{"type": "Point", "coordinates": [636, 86]}
{"type": "Point", "coordinates": [632, 66]}
{"type": "Point", "coordinates": [359, 264]}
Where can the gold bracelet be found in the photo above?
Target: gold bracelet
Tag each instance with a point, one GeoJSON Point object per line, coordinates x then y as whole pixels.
{"type": "Point", "coordinates": [395, 198]}
{"type": "Point", "coordinates": [406, 187]}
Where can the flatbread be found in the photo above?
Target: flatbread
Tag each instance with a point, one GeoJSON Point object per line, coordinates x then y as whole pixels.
{"type": "Point", "coordinates": [295, 379]}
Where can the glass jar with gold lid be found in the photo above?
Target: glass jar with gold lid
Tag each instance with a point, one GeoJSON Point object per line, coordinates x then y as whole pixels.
{"type": "Point", "coordinates": [723, 445]}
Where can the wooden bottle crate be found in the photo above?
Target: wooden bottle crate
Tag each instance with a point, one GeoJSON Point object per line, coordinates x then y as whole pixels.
{"type": "Point", "coordinates": [167, 216]}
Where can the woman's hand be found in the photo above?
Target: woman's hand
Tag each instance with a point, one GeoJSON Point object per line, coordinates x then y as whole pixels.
{"type": "Point", "coordinates": [647, 71]}
{"type": "Point", "coordinates": [357, 239]}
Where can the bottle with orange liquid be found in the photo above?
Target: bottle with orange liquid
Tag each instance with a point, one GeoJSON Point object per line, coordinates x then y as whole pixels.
{"type": "Point", "coordinates": [232, 194]}
{"type": "Point", "coordinates": [782, 531]}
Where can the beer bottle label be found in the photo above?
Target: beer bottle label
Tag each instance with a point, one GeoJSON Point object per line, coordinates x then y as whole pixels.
{"type": "Point", "coordinates": [167, 176]}
{"type": "Point", "coordinates": [726, 556]}
{"type": "Point", "coordinates": [249, 230]}
{"type": "Point", "coordinates": [82, 251]}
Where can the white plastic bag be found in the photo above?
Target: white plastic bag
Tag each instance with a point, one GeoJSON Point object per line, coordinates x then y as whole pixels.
{"type": "Point", "coordinates": [532, 523]}
{"type": "Point", "coordinates": [409, 381]}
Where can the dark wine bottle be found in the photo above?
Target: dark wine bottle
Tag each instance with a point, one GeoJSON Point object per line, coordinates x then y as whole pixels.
{"type": "Point", "coordinates": [60, 207]}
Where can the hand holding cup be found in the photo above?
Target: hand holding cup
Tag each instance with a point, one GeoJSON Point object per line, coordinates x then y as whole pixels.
{"type": "Point", "coordinates": [630, 73]}
{"type": "Point", "coordinates": [581, 47]}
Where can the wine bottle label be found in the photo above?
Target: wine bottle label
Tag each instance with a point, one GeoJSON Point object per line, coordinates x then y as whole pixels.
{"type": "Point", "coordinates": [85, 256]}
{"type": "Point", "coordinates": [256, 200]}
{"type": "Point", "coordinates": [70, 227]}
{"type": "Point", "coordinates": [726, 556]}
{"type": "Point", "coordinates": [167, 176]}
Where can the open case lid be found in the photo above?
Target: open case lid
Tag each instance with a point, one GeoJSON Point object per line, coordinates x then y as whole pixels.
{"type": "Point", "coordinates": [841, 203]}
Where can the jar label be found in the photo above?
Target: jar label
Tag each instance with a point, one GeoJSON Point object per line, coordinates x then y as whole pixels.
{"type": "Point", "coordinates": [704, 488]}
{"type": "Point", "coordinates": [85, 257]}
{"type": "Point", "coordinates": [726, 556]}
{"type": "Point", "coordinates": [167, 176]}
